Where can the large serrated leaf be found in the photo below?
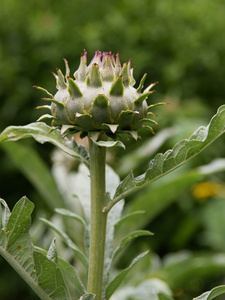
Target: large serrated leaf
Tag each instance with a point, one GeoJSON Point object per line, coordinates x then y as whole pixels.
{"type": "Point", "coordinates": [40, 273]}
{"type": "Point", "coordinates": [114, 284]}
{"type": "Point", "coordinates": [43, 133]}
{"type": "Point", "coordinates": [182, 152]}
{"type": "Point", "coordinates": [217, 291]}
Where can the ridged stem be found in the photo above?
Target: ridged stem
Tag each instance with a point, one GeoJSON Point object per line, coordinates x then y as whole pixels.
{"type": "Point", "coordinates": [98, 220]}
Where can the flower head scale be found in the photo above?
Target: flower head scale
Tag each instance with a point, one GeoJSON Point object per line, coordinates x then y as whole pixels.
{"type": "Point", "coordinates": [101, 97]}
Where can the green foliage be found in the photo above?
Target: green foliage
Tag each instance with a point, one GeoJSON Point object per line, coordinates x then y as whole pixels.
{"type": "Point", "coordinates": [181, 45]}
{"type": "Point", "coordinates": [184, 150]}
{"type": "Point", "coordinates": [34, 267]}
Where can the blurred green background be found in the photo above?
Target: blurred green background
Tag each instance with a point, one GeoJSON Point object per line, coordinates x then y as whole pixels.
{"type": "Point", "coordinates": [180, 44]}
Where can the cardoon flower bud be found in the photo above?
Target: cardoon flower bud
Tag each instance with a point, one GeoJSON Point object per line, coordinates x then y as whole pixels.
{"type": "Point", "coordinates": [101, 97]}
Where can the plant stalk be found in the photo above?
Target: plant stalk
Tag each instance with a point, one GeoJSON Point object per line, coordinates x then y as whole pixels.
{"type": "Point", "coordinates": [98, 220]}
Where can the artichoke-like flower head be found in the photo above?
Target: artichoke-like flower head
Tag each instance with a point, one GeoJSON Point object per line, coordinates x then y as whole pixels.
{"type": "Point", "coordinates": [101, 97]}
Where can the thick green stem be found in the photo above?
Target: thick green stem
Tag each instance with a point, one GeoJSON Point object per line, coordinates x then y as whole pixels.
{"type": "Point", "coordinates": [98, 220]}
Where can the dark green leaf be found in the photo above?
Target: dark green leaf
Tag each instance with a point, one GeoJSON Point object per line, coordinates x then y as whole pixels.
{"type": "Point", "coordinates": [69, 271]}
{"type": "Point", "coordinates": [43, 133]}
{"type": "Point", "coordinates": [40, 273]}
{"type": "Point", "coordinates": [127, 239]}
{"type": "Point", "coordinates": [49, 275]}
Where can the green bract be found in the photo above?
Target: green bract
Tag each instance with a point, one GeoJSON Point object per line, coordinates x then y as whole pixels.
{"type": "Point", "coordinates": [101, 97]}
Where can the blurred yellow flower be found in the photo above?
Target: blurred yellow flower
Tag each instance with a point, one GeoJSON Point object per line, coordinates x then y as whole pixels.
{"type": "Point", "coordinates": [206, 189]}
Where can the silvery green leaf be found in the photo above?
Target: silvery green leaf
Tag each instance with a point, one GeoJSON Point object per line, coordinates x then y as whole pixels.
{"type": "Point", "coordinates": [182, 152]}
{"type": "Point", "coordinates": [4, 213]}
{"type": "Point", "coordinates": [43, 133]}
{"type": "Point", "coordinates": [109, 144]}
{"type": "Point", "coordinates": [52, 252]}
{"type": "Point", "coordinates": [154, 289]}
{"type": "Point", "coordinates": [87, 297]}
{"type": "Point", "coordinates": [217, 291]}
{"type": "Point", "coordinates": [112, 180]}
{"type": "Point", "coordinates": [71, 184]}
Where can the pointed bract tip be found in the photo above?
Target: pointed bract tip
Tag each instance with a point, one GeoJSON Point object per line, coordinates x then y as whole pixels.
{"type": "Point", "coordinates": [56, 76]}
{"type": "Point", "coordinates": [117, 88]}
{"type": "Point", "coordinates": [150, 113]}
{"type": "Point", "coordinates": [117, 57]}
{"type": "Point", "coordinates": [97, 59]}
{"type": "Point", "coordinates": [94, 77]}
{"type": "Point", "coordinates": [67, 67]}
{"type": "Point", "coordinates": [84, 55]}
